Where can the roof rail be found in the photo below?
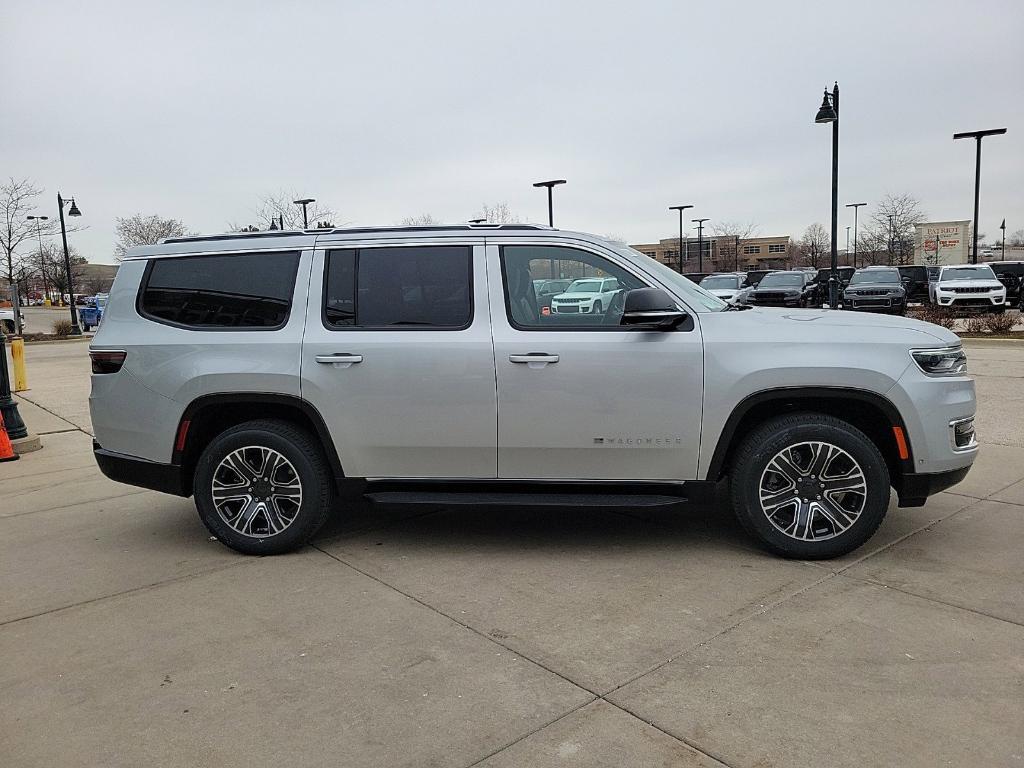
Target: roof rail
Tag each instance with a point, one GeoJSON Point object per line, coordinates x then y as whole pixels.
{"type": "Point", "coordinates": [355, 231]}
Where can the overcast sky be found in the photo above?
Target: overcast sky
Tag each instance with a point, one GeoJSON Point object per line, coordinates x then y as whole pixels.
{"type": "Point", "coordinates": [385, 109]}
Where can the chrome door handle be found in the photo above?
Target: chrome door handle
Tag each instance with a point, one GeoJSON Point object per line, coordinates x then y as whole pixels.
{"type": "Point", "coordinates": [534, 359]}
{"type": "Point", "coordinates": [339, 359]}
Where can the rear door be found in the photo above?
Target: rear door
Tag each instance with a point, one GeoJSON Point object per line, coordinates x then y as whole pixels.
{"type": "Point", "coordinates": [397, 357]}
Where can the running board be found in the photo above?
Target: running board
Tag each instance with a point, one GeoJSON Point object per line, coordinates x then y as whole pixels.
{"type": "Point", "coordinates": [488, 499]}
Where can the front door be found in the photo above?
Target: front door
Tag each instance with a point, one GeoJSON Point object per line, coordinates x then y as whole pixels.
{"type": "Point", "coordinates": [579, 396]}
{"type": "Point", "coordinates": [397, 357]}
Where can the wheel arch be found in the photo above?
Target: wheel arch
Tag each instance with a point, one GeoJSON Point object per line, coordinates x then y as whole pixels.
{"type": "Point", "coordinates": [872, 413]}
{"type": "Point", "coordinates": [209, 415]}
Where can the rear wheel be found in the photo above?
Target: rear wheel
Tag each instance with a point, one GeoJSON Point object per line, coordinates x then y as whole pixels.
{"type": "Point", "coordinates": [809, 486]}
{"type": "Point", "coordinates": [263, 487]}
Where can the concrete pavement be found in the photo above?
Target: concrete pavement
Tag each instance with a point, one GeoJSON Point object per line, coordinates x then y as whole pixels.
{"type": "Point", "coordinates": [498, 637]}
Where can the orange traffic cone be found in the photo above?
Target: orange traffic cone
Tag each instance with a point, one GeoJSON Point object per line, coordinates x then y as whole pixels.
{"type": "Point", "coordinates": [6, 449]}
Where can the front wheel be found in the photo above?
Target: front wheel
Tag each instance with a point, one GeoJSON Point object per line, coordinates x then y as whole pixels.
{"type": "Point", "coordinates": [263, 487]}
{"type": "Point", "coordinates": [809, 486]}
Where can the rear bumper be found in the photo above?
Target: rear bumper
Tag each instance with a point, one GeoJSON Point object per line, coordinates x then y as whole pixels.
{"type": "Point", "coordinates": [914, 488]}
{"type": "Point", "coordinates": [130, 470]}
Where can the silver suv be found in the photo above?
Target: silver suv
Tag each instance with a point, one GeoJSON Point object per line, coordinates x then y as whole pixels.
{"type": "Point", "coordinates": [271, 375]}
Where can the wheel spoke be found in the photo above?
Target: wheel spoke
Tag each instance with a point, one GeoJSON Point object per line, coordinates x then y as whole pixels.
{"type": "Point", "coordinates": [228, 493]}
{"type": "Point", "coordinates": [821, 457]}
{"type": "Point", "coordinates": [785, 467]}
{"type": "Point", "coordinates": [853, 481]}
{"type": "Point", "coordinates": [835, 514]}
{"type": "Point", "coordinates": [235, 461]}
{"type": "Point", "coordinates": [775, 501]}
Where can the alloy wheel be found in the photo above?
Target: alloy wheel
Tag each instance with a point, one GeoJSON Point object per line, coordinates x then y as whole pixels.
{"type": "Point", "coordinates": [812, 491]}
{"type": "Point", "coordinates": [256, 491]}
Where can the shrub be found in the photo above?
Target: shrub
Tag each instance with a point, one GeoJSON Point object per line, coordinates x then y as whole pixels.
{"type": "Point", "coordinates": [1002, 322]}
{"type": "Point", "coordinates": [931, 313]}
{"type": "Point", "coordinates": [976, 323]}
{"type": "Point", "coordinates": [62, 328]}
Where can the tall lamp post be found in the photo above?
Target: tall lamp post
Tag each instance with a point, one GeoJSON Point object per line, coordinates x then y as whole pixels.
{"type": "Point", "coordinates": [977, 136]}
{"type": "Point", "coordinates": [303, 202]}
{"type": "Point", "coordinates": [829, 113]}
{"type": "Point", "coordinates": [736, 253]}
{"type": "Point", "coordinates": [1002, 254]}
{"type": "Point", "coordinates": [680, 208]}
{"type": "Point", "coordinates": [856, 208]}
{"type": "Point", "coordinates": [848, 244]}
{"type": "Point", "coordinates": [700, 243]}
{"type": "Point", "coordinates": [551, 209]}
{"type": "Point", "coordinates": [72, 211]}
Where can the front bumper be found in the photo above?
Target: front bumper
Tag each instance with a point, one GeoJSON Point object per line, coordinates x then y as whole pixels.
{"type": "Point", "coordinates": [974, 300]}
{"type": "Point", "coordinates": [914, 488]}
{"type": "Point", "coordinates": [131, 470]}
{"type": "Point", "coordinates": [572, 309]}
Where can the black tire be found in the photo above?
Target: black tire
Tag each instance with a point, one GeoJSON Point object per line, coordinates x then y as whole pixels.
{"type": "Point", "coordinates": [306, 463]}
{"type": "Point", "coordinates": [598, 309]}
{"type": "Point", "coordinates": [750, 467]}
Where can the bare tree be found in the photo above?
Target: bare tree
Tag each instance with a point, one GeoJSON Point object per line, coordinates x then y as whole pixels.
{"type": "Point", "coordinates": [140, 229]}
{"type": "Point", "coordinates": [1016, 240]}
{"type": "Point", "coordinates": [726, 232]}
{"type": "Point", "coordinates": [498, 213]}
{"type": "Point", "coordinates": [53, 260]}
{"type": "Point", "coordinates": [895, 218]}
{"type": "Point", "coordinates": [17, 232]}
{"type": "Point", "coordinates": [277, 207]}
{"type": "Point", "coordinates": [423, 220]}
{"type": "Point", "coordinates": [813, 247]}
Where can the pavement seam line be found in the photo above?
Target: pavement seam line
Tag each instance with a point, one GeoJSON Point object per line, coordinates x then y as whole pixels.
{"type": "Point", "coordinates": [75, 504]}
{"type": "Point", "coordinates": [975, 611]}
{"type": "Point", "coordinates": [536, 730]}
{"type": "Point", "coordinates": [463, 624]}
{"type": "Point", "coordinates": [53, 413]}
{"type": "Point", "coordinates": [142, 588]}
{"type": "Point", "coordinates": [717, 758]}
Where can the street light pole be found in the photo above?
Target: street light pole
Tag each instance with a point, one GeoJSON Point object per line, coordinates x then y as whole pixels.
{"type": "Point", "coordinates": [829, 113]}
{"type": "Point", "coordinates": [977, 136]}
{"type": "Point", "coordinates": [1002, 254]}
{"type": "Point", "coordinates": [303, 202]}
{"type": "Point", "coordinates": [551, 208]}
{"type": "Point", "coordinates": [856, 208]}
{"type": "Point", "coordinates": [72, 211]}
{"type": "Point", "coordinates": [736, 253]}
{"type": "Point", "coordinates": [700, 243]}
{"type": "Point", "coordinates": [680, 208]}
{"type": "Point", "coordinates": [848, 244]}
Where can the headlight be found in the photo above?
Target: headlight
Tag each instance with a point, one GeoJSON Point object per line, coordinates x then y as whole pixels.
{"type": "Point", "coordinates": [944, 361]}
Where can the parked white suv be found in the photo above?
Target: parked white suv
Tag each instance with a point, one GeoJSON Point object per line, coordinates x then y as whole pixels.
{"type": "Point", "coordinates": [591, 295]}
{"type": "Point", "coordinates": [973, 286]}
{"type": "Point", "coordinates": [271, 374]}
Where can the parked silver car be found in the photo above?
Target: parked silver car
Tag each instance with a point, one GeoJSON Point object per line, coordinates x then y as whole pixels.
{"type": "Point", "coordinates": [270, 374]}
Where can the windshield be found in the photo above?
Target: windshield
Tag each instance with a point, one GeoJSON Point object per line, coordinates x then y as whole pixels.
{"type": "Point", "coordinates": [719, 281]}
{"type": "Point", "coordinates": [699, 298]}
{"type": "Point", "coordinates": [980, 272]}
{"type": "Point", "coordinates": [876, 276]}
{"type": "Point", "coordinates": [585, 286]}
{"type": "Point", "coordinates": [781, 279]}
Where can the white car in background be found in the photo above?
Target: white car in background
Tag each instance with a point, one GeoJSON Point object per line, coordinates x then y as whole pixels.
{"type": "Point", "coordinates": [968, 286]}
{"type": "Point", "coordinates": [7, 324]}
{"type": "Point", "coordinates": [729, 287]}
{"type": "Point", "coordinates": [588, 295]}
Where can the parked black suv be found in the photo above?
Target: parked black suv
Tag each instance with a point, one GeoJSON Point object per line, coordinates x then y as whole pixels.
{"type": "Point", "coordinates": [915, 281]}
{"type": "Point", "coordinates": [876, 289]}
{"type": "Point", "coordinates": [754, 276]}
{"type": "Point", "coordinates": [785, 289]}
{"type": "Point", "coordinates": [1010, 274]}
{"type": "Point", "coordinates": [843, 273]}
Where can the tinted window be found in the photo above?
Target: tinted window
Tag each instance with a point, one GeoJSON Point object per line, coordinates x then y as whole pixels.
{"type": "Point", "coordinates": [248, 290]}
{"type": "Point", "coordinates": [422, 286]}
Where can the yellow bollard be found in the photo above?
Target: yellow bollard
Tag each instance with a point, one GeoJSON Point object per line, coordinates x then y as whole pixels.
{"type": "Point", "coordinates": [18, 361]}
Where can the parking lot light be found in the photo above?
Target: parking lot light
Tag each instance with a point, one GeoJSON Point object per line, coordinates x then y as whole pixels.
{"type": "Point", "coordinates": [680, 208]}
{"type": "Point", "coordinates": [700, 243]}
{"type": "Point", "coordinates": [856, 208]}
{"type": "Point", "coordinates": [549, 185]}
{"type": "Point", "coordinates": [303, 202]}
{"type": "Point", "coordinates": [72, 211]}
{"type": "Point", "coordinates": [977, 136]}
{"type": "Point", "coordinates": [828, 112]}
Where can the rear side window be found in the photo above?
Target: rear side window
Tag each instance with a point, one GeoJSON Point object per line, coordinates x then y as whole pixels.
{"type": "Point", "coordinates": [410, 287]}
{"type": "Point", "coordinates": [245, 290]}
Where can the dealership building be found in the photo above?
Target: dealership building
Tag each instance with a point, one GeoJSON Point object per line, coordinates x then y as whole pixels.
{"type": "Point", "coordinates": [720, 253]}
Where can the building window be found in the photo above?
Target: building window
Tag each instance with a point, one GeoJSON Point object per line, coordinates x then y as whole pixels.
{"type": "Point", "coordinates": [778, 248]}
{"type": "Point", "coordinates": [749, 249]}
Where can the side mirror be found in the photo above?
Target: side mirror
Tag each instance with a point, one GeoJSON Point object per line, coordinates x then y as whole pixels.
{"type": "Point", "coordinates": [651, 308]}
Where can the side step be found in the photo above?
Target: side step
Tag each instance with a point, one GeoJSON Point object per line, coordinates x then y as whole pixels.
{"type": "Point", "coordinates": [495, 498]}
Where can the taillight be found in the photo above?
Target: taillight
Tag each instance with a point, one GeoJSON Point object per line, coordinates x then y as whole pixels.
{"type": "Point", "coordinates": [106, 360]}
